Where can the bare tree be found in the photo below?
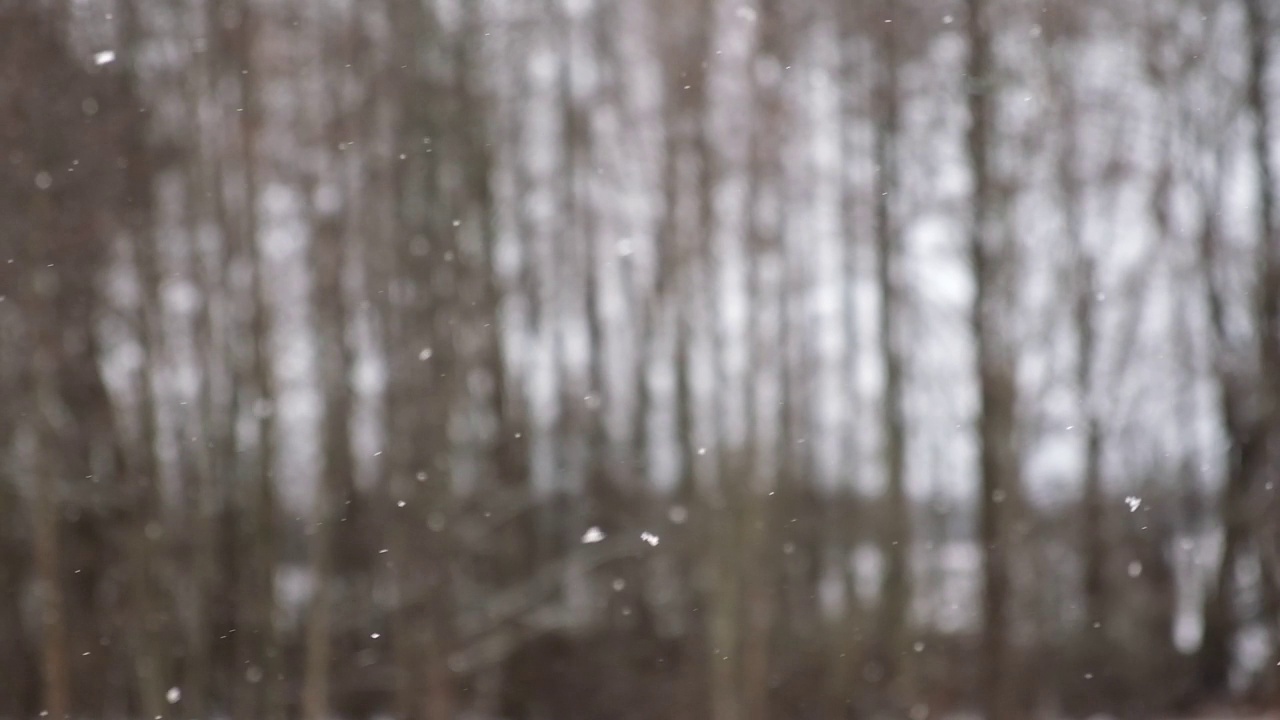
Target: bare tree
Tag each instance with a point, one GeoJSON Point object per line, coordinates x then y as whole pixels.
{"type": "Point", "coordinates": [353, 352]}
{"type": "Point", "coordinates": [992, 325]}
{"type": "Point", "coordinates": [896, 599]}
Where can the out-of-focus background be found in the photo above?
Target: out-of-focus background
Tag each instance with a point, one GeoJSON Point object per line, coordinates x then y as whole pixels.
{"type": "Point", "coordinates": [587, 359]}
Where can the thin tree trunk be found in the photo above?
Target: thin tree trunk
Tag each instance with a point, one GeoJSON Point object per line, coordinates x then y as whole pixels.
{"type": "Point", "coordinates": [844, 644]}
{"type": "Point", "coordinates": [896, 597]}
{"type": "Point", "coordinates": [143, 542]}
{"type": "Point", "coordinates": [765, 204]}
{"type": "Point", "coordinates": [56, 698]}
{"type": "Point", "coordinates": [334, 492]}
{"type": "Point", "coordinates": [1245, 458]}
{"type": "Point", "coordinates": [991, 323]}
{"type": "Point", "coordinates": [46, 495]}
{"type": "Point", "coordinates": [1267, 321]}
{"type": "Point", "coordinates": [200, 501]}
{"type": "Point", "coordinates": [1093, 537]}
{"type": "Point", "coordinates": [264, 661]}
{"type": "Point", "coordinates": [1267, 293]}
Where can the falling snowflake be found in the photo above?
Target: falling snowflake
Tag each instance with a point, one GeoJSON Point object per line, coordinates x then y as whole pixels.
{"type": "Point", "coordinates": [104, 57]}
{"type": "Point", "coordinates": [174, 695]}
{"type": "Point", "coordinates": [425, 354]}
{"type": "Point", "coordinates": [593, 535]}
{"type": "Point", "coordinates": [1134, 502]}
{"type": "Point", "coordinates": [649, 538]}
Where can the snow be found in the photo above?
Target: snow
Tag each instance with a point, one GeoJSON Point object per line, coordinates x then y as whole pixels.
{"type": "Point", "coordinates": [103, 57]}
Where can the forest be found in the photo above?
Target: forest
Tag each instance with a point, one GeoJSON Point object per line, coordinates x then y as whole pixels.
{"type": "Point", "coordinates": [639, 359]}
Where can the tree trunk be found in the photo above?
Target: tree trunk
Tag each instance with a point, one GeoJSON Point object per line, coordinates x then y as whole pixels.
{"type": "Point", "coordinates": [258, 630]}
{"type": "Point", "coordinates": [1266, 527]}
{"type": "Point", "coordinates": [992, 324]}
{"type": "Point", "coordinates": [896, 598]}
{"type": "Point", "coordinates": [335, 490]}
{"type": "Point", "coordinates": [56, 698]}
